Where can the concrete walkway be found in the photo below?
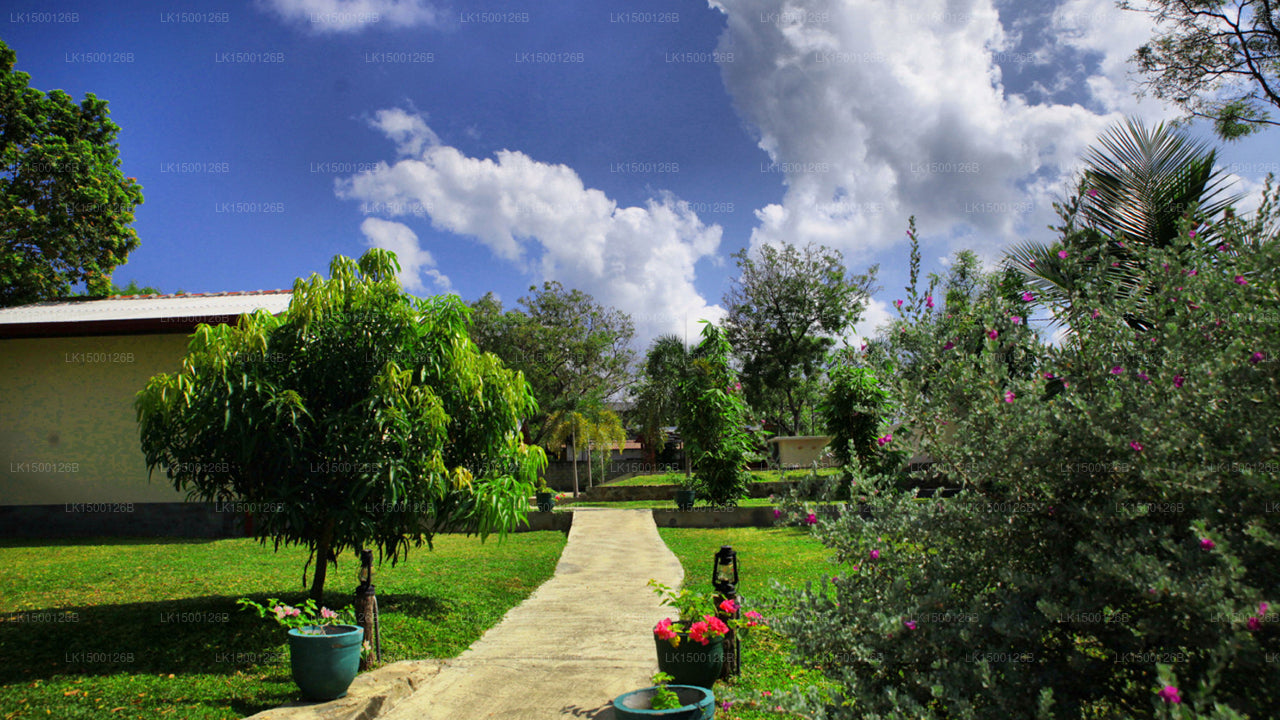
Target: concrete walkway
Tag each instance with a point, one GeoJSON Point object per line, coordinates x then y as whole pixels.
{"type": "Point", "coordinates": [584, 637]}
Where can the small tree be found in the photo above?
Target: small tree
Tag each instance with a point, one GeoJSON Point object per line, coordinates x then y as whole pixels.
{"type": "Point", "coordinates": [658, 391]}
{"type": "Point", "coordinates": [595, 425]}
{"type": "Point", "coordinates": [852, 411]}
{"type": "Point", "coordinates": [363, 415]}
{"type": "Point", "coordinates": [713, 420]}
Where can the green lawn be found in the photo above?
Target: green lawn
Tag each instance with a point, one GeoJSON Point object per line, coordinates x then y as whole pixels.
{"type": "Point", "coordinates": [663, 504]}
{"type": "Point", "coordinates": [145, 629]}
{"type": "Point", "coordinates": [757, 476]}
{"type": "Point", "coordinates": [786, 554]}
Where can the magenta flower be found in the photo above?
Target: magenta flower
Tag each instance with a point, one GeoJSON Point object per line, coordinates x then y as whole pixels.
{"type": "Point", "coordinates": [992, 334]}
{"type": "Point", "coordinates": [928, 301]}
{"type": "Point", "coordinates": [728, 607]}
{"type": "Point", "coordinates": [1028, 297]}
{"type": "Point", "coordinates": [1117, 370]}
{"type": "Point", "coordinates": [811, 519]}
{"type": "Point", "coordinates": [1095, 314]}
{"type": "Point", "coordinates": [1093, 193]}
{"type": "Point", "coordinates": [663, 629]}
{"type": "Point", "coordinates": [949, 345]}
{"type": "Point", "coordinates": [1048, 376]}
{"type": "Point", "coordinates": [1169, 694]}
{"type": "Point", "coordinates": [698, 633]}
{"type": "Point", "coordinates": [875, 554]}
{"type": "Point", "coordinates": [863, 348]}
{"type": "Point", "coordinates": [1033, 263]}
{"type": "Point", "coordinates": [1009, 396]}
{"type": "Point", "coordinates": [911, 624]}
{"type": "Point", "coordinates": [1191, 232]}
{"type": "Point", "coordinates": [1253, 623]}
{"type": "Point", "coordinates": [777, 513]}
{"type": "Point", "coordinates": [753, 615]}
{"type": "Point", "coordinates": [1062, 254]}
{"type": "Point", "coordinates": [1137, 446]}
{"type": "Point", "coordinates": [1262, 608]}
{"type": "Point", "coordinates": [1115, 264]}
{"type": "Point", "coordinates": [897, 304]}
{"type": "Point", "coordinates": [1207, 544]}
{"type": "Point", "coordinates": [1241, 281]}
{"type": "Point", "coordinates": [1256, 358]}
{"type": "Point", "coordinates": [1144, 377]}
{"type": "Point", "coordinates": [1178, 380]}
{"type": "Point", "coordinates": [1017, 319]}
{"type": "Point", "coordinates": [882, 441]}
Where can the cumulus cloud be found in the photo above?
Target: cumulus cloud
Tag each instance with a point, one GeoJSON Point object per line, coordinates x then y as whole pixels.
{"type": "Point", "coordinates": [355, 15]}
{"type": "Point", "coordinates": [541, 218]}
{"type": "Point", "coordinates": [873, 111]}
{"type": "Point", "coordinates": [414, 261]}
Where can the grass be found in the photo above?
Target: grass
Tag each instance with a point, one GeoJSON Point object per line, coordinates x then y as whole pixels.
{"type": "Point", "coordinates": [757, 476]}
{"type": "Point", "coordinates": [98, 629]}
{"type": "Point", "coordinates": [663, 504]}
{"type": "Point", "coordinates": [786, 554]}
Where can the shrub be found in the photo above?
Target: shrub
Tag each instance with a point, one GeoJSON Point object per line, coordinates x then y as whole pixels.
{"type": "Point", "coordinates": [713, 421]}
{"type": "Point", "coordinates": [1113, 552]}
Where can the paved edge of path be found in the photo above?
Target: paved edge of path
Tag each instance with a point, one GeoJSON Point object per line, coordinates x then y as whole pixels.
{"type": "Point", "coordinates": [582, 638]}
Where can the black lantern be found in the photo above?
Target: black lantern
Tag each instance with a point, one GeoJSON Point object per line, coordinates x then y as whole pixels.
{"type": "Point", "coordinates": [365, 575]}
{"type": "Point", "coordinates": [724, 575]}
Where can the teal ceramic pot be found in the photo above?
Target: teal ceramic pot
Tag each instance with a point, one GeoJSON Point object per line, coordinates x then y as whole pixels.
{"type": "Point", "coordinates": [324, 664]}
{"type": "Point", "coordinates": [697, 703]}
{"type": "Point", "coordinates": [692, 663]}
{"type": "Point", "coordinates": [546, 501]}
{"type": "Point", "coordinates": [685, 498]}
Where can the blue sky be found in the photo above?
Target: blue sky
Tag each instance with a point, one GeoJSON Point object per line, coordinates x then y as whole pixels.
{"type": "Point", "coordinates": [626, 149]}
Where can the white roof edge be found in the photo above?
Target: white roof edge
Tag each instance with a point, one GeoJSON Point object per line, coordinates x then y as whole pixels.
{"type": "Point", "coordinates": [221, 307]}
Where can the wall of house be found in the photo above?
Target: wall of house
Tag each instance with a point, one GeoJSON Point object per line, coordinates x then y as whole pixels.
{"type": "Point", "coordinates": [68, 431]}
{"type": "Point", "coordinates": [800, 450]}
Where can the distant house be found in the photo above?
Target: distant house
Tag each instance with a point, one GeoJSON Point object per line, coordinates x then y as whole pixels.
{"type": "Point", "coordinates": [70, 460]}
{"type": "Point", "coordinates": [800, 450]}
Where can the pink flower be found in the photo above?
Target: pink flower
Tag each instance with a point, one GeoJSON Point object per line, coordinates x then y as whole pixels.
{"type": "Point", "coordinates": [1115, 264]}
{"type": "Point", "coordinates": [1241, 281]}
{"type": "Point", "coordinates": [812, 519]}
{"type": "Point", "coordinates": [1262, 608]}
{"type": "Point", "coordinates": [992, 334]}
{"type": "Point", "coordinates": [1093, 193]}
{"type": "Point", "coordinates": [1062, 254]}
{"type": "Point", "coordinates": [777, 513]}
{"type": "Point", "coordinates": [728, 607]}
{"type": "Point", "coordinates": [911, 624]}
{"type": "Point", "coordinates": [1095, 314]}
{"type": "Point", "coordinates": [280, 611]}
{"type": "Point", "coordinates": [1144, 377]}
{"type": "Point", "coordinates": [1253, 623]}
{"type": "Point", "coordinates": [1032, 263]}
{"type": "Point", "coordinates": [1137, 446]}
{"type": "Point", "coordinates": [897, 304]}
{"type": "Point", "coordinates": [875, 554]}
{"type": "Point", "coordinates": [1256, 358]}
{"type": "Point", "coordinates": [663, 629]}
{"type": "Point", "coordinates": [328, 614]}
{"type": "Point", "coordinates": [1017, 320]}
{"type": "Point", "coordinates": [1178, 380]}
{"type": "Point", "coordinates": [1117, 370]}
{"type": "Point", "coordinates": [716, 625]}
{"type": "Point", "coordinates": [1028, 297]}
{"type": "Point", "coordinates": [928, 301]}
{"type": "Point", "coordinates": [882, 441]}
{"type": "Point", "coordinates": [863, 348]}
{"type": "Point", "coordinates": [698, 633]}
{"type": "Point", "coordinates": [1207, 544]}
{"type": "Point", "coordinates": [1009, 396]}
{"type": "Point", "coordinates": [1191, 232]}
{"type": "Point", "coordinates": [1048, 376]}
{"type": "Point", "coordinates": [949, 345]}
{"type": "Point", "coordinates": [753, 615]}
{"type": "Point", "coordinates": [1169, 694]}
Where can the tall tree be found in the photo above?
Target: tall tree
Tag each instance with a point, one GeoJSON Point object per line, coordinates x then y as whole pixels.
{"type": "Point", "coordinates": [657, 394]}
{"type": "Point", "coordinates": [65, 206]}
{"type": "Point", "coordinates": [1138, 184]}
{"type": "Point", "coordinates": [363, 415]}
{"type": "Point", "coordinates": [786, 307]}
{"type": "Point", "coordinates": [1215, 59]}
{"type": "Point", "coordinates": [573, 351]}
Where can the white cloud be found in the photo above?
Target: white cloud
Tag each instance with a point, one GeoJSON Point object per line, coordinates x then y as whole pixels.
{"type": "Point", "coordinates": [355, 15]}
{"type": "Point", "coordinates": [540, 217]}
{"type": "Point", "coordinates": [414, 261]}
{"type": "Point", "coordinates": [874, 317]}
{"type": "Point", "coordinates": [875, 111]}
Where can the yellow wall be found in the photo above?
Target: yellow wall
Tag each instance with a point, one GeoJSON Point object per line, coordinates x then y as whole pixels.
{"type": "Point", "coordinates": [800, 450]}
{"type": "Point", "coordinates": [68, 432]}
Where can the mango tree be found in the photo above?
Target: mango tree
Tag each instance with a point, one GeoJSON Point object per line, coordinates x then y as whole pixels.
{"type": "Point", "coordinates": [360, 416]}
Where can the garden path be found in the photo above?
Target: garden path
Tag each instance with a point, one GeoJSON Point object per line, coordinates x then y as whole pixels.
{"type": "Point", "coordinates": [583, 637]}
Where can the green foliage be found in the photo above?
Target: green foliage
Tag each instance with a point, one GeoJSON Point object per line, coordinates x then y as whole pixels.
{"type": "Point", "coordinates": [1214, 59]}
{"type": "Point", "coordinates": [713, 419]}
{"type": "Point", "coordinates": [65, 206]}
{"type": "Point", "coordinates": [573, 351]}
{"type": "Point", "coordinates": [664, 698]}
{"type": "Point", "coordinates": [786, 308]}
{"type": "Point", "coordinates": [852, 412]}
{"type": "Point", "coordinates": [1116, 533]}
{"type": "Point", "coordinates": [363, 415]}
{"type": "Point", "coordinates": [657, 394]}
{"type": "Point", "coordinates": [595, 426]}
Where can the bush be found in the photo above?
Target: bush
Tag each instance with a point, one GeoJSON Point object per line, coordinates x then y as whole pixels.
{"type": "Point", "coordinates": [1114, 548]}
{"type": "Point", "coordinates": [713, 421]}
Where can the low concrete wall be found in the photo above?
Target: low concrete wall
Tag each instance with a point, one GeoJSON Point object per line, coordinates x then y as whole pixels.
{"type": "Point", "coordinates": [615, 493]}
{"type": "Point", "coordinates": [709, 517]}
{"type": "Point", "coordinates": [175, 520]}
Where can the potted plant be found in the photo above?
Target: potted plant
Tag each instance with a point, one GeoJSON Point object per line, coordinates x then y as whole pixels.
{"type": "Point", "coordinates": [674, 702]}
{"type": "Point", "coordinates": [687, 493]}
{"type": "Point", "coordinates": [545, 498]}
{"type": "Point", "coordinates": [691, 648]}
{"type": "Point", "coordinates": [324, 654]}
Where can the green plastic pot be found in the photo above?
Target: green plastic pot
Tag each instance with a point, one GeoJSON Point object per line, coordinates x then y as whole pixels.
{"type": "Point", "coordinates": [697, 703]}
{"type": "Point", "coordinates": [325, 659]}
{"type": "Point", "coordinates": [546, 501]}
{"type": "Point", "coordinates": [692, 663]}
{"type": "Point", "coordinates": [685, 498]}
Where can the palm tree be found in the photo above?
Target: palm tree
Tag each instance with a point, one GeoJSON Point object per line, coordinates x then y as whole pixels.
{"type": "Point", "coordinates": [1138, 186]}
{"type": "Point", "coordinates": [593, 425]}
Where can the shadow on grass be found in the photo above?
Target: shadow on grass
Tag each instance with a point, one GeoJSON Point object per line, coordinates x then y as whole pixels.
{"type": "Point", "coordinates": [77, 541]}
{"type": "Point", "coordinates": [208, 635]}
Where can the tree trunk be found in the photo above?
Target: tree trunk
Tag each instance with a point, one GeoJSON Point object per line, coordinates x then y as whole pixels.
{"type": "Point", "coordinates": [575, 460]}
{"type": "Point", "coordinates": [324, 546]}
{"type": "Point", "coordinates": [590, 462]}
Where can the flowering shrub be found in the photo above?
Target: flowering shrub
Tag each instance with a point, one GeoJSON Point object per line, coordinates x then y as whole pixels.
{"type": "Point", "coordinates": [306, 618]}
{"type": "Point", "coordinates": [701, 618]}
{"type": "Point", "coordinates": [1114, 549]}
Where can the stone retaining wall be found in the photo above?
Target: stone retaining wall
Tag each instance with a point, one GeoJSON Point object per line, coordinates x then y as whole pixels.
{"type": "Point", "coordinates": [621, 493]}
